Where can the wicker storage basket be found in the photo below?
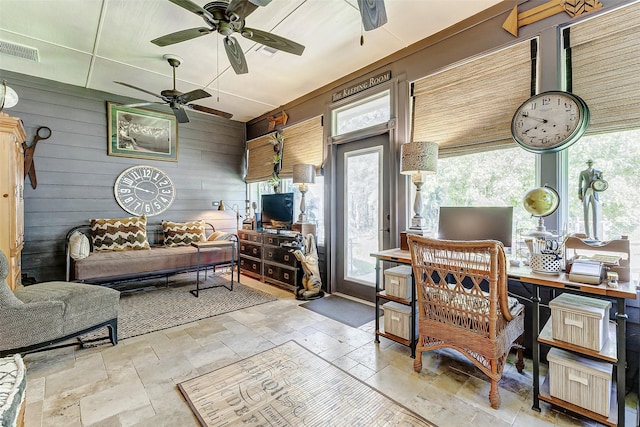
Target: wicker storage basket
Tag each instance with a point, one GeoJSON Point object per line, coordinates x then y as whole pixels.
{"type": "Point", "coordinates": [579, 320]}
{"type": "Point", "coordinates": [581, 381]}
{"type": "Point", "coordinates": [397, 318]}
{"type": "Point", "coordinates": [397, 281]}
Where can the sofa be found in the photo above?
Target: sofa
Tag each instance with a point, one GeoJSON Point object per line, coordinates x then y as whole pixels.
{"type": "Point", "coordinates": [113, 251]}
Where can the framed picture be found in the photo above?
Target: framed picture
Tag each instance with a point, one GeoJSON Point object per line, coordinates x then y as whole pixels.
{"type": "Point", "coordinates": [142, 134]}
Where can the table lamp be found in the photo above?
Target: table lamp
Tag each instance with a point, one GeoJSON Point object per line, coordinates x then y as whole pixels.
{"type": "Point", "coordinates": [303, 174]}
{"type": "Point", "coordinates": [418, 159]}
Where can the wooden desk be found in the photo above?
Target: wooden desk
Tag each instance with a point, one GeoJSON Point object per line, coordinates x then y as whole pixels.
{"type": "Point", "coordinates": [613, 353]}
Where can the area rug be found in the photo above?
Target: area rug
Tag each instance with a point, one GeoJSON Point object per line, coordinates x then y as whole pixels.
{"type": "Point", "coordinates": [160, 305]}
{"type": "Point", "coordinates": [344, 310]}
{"type": "Point", "coordinates": [290, 386]}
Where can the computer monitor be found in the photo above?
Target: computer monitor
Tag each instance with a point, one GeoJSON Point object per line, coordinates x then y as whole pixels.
{"type": "Point", "coordinates": [476, 223]}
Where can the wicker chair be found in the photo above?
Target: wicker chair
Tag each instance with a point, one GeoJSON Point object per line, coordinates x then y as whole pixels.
{"type": "Point", "coordinates": [463, 304]}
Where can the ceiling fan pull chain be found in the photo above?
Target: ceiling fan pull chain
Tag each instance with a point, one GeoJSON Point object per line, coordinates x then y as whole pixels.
{"type": "Point", "coordinates": [218, 70]}
{"type": "Point", "coordinates": [361, 34]}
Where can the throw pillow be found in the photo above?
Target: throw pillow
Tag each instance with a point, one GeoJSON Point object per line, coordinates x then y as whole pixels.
{"type": "Point", "coordinates": [183, 233]}
{"type": "Point", "coordinates": [219, 235]}
{"type": "Point", "coordinates": [79, 247]}
{"type": "Point", "coordinates": [119, 234]}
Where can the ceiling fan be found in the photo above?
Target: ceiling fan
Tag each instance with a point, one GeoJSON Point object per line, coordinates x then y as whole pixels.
{"type": "Point", "coordinates": [176, 99]}
{"type": "Point", "coordinates": [373, 13]}
{"type": "Point", "coordinates": [228, 17]}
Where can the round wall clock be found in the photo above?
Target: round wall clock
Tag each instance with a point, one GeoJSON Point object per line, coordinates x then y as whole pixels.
{"type": "Point", "coordinates": [144, 190]}
{"type": "Point", "coordinates": [550, 121]}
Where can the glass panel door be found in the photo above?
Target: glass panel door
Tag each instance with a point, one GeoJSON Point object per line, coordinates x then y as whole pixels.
{"type": "Point", "coordinates": [362, 218]}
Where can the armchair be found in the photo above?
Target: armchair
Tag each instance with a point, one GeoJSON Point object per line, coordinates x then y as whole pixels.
{"type": "Point", "coordinates": [463, 304]}
{"type": "Point", "coordinates": [35, 317]}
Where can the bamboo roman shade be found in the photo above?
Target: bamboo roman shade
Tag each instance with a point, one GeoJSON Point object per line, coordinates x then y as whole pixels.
{"type": "Point", "coordinates": [469, 107]}
{"type": "Point", "coordinates": [604, 59]}
{"type": "Point", "coordinates": [259, 159]}
{"type": "Point", "coordinates": [302, 144]}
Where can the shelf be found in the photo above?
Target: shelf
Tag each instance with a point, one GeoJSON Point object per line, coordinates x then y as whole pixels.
{"type": "Point", "coordinates": [608, 352]}
{"type": "Point", "coordinates": [613, 411]}
{"type": "Point", "coordinates": [383, 294]}
{"type": "Point", "coordinates": [394, 338]}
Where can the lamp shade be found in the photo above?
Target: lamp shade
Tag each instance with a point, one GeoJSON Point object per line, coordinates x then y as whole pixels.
{"type": "Point", "coordinates": [304, 173]}
{"type": "Point", "coordinates": [418, 157]}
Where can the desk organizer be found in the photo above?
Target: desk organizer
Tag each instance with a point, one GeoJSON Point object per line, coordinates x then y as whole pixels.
{"type": "Point", "coordinates": [546, 263]}
{"type": "Point", "coordinates": [581, 381]}
{"type": "Point", "coordinates": [580, 320]}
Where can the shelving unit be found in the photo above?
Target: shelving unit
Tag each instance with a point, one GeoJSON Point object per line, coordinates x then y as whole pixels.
{"type": "Point", "coordinates": [397, 256]}
{"type": "Point", "coordinates": [613, 352]}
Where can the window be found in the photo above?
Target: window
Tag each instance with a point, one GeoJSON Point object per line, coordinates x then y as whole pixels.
{"type": "Point", "coordinates": [314, 200]}
{"type": "Point", "coordinates": [490, 178]}
{"type": "Point", "coordinates": [617, 156]}
{"type": "Point", "coordinates": [368, 112]}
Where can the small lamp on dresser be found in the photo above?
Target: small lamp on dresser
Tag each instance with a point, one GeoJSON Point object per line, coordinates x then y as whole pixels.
{"type": "Point", "coordinates": [418, 159]}
{"type": "Point", "coordinates": [303, 174]}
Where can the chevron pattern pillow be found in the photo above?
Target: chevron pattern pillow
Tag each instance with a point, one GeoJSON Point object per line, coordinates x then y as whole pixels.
{"type": "Point", "coordinates": [183, 233]}
{"type": "Point", "coordinates": [119, 234]}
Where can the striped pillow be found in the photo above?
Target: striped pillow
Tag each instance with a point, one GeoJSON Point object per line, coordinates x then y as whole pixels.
{"type": "Point", "coordinates": [119, 234]}
{"type": "Point", "coordinates": [183, 233]}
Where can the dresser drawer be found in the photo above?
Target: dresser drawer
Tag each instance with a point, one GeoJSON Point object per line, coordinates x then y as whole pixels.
{"type": "Point", "coordinates": [251, 265]}
{"type": "Point", "coordinates": [250, 249]}
{"type": "Point", "coordinates": [281, 274]}
{"type": "Point", "coordinates": [251, 237]}
{"type": "Point", "coordinates": [280, 255]}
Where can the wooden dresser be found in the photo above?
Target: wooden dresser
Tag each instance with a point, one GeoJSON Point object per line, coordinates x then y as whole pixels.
{"type": "Point", "coordinates": [12, 135]}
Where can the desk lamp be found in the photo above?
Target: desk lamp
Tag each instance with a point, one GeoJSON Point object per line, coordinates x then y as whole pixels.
{"type": "Point", "coordinates": [303, 174]}
{"type": "Point", "coordinates": [418, 159]}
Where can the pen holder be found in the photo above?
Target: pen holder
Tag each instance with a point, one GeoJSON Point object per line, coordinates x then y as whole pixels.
{"type": "Point", "coordinates": [550, 263]}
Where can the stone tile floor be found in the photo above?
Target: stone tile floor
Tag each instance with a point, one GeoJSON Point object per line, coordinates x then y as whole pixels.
{"type": "Point", "coordinates": [134, 383]}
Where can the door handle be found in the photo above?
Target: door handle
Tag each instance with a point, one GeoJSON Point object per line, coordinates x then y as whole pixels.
{"type": "Point", "coordinates": [388, 230]}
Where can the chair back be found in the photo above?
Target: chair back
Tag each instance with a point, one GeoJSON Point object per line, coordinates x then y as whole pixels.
{"type": "Point", "coordinates": [461, 284]}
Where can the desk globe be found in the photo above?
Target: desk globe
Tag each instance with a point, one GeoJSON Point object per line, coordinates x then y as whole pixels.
{"type": "Point", "coordinates": [541, 202]}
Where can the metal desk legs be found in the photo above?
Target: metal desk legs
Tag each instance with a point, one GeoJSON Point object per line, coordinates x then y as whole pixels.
{"type": "Point", "coordinates": [621, 332]}
{"type": "Point", "coordinates": [535, 314]}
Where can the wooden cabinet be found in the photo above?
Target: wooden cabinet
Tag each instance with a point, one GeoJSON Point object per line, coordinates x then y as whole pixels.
{"type": "Point", "coordinates": [263, 257]}
{"type": "Point", "coordinates": [12, 136]}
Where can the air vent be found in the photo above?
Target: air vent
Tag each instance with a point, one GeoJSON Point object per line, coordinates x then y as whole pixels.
{"type": "Point", "coordinates": [267, 50]}
{"type": "Point", "coordinates": [19, 51]}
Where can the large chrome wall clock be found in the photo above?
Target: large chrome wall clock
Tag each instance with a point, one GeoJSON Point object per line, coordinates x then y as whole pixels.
{"type": "Point", "coordinates": [144, 190]}
{"type": "Point", "coordinates": [550, 121]}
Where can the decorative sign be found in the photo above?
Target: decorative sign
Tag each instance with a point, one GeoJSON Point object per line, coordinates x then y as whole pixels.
{"type": "Point", "coordinates": [359, 87]}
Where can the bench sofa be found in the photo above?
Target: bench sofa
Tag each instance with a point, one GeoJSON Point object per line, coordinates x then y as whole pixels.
{"type": "Point", "coordinates": [154, 250]}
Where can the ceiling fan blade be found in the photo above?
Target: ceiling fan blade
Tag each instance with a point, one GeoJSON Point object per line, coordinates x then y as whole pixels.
{"type": "Point", "coordinates": [373, 13]}
{"type": "Point", "coordinates": [210, 110]}
{"type": "Point", "coordinates": [192, 7]}
{"type": "Point", "coordinates": [241, 8]}
{"type": "Point", "coordinates": [180, 36]}
{"type": "Point", "coordinates": [179, 112]}
{"type": "Point", "coordinates": [235, 55]}
{"type": "Point", "coordinates": [260, 2]}
{"type": "Point", "coordinates": [192, 96]}
{"type": "Point", "coordinates": [140, 89]}
{"type": "Point", "coordinates": [273, 41]}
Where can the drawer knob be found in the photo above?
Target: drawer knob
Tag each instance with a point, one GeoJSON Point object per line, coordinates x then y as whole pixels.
{"type": "Point", "coordinates": [286, 276]}
{"type": "Point", "coordinates": [286, 257]}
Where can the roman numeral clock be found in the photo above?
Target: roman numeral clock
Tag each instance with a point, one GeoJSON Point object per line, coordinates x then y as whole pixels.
{"type": "Point", "coordinates": [144, 190]}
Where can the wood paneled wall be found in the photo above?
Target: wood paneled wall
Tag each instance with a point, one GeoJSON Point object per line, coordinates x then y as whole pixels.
{"type": "Point", "coordinates": [76, 176]}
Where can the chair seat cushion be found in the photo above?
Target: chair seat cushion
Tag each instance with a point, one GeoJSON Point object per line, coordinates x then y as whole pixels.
{"type": "Point", "coordinates": [84, 305]}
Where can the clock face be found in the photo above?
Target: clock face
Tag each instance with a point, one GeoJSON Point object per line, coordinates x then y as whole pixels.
{"type": "Point", "coordinates": [144, 190]}
{"type": "Point", "coordinates": [550, 121]}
